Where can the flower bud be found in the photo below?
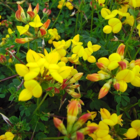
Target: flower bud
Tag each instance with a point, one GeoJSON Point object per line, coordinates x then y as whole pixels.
{"type": "Point", "coordinates": [75, 78]}
{"type": "Point", "coordinates": [122, 64]}
{"type": "Point", "coordinates": [104, 90]}
{"type": "Point", "coordinates": [120, 49]}
{"type": "Point", "coordinates": [23, 40]}
{"type": "Point", "coordinates": [88, 130]}
{"type": "Point", "coordinates": [81, 121]}
{"type": "Point", "coordinates": [72, 112]}
{"type": "Point", "coordinates": [93, 77]}
{"type": "Point", "coordinates": [73, 93]}
{"type": "Point", "coordinates": [60, 126]}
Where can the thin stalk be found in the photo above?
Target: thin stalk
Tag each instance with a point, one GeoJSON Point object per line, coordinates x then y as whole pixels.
{"type": "Point", "coordinates": [8, 78]}
{"type": "Point", "coordinates": [58, 16]}
{"type": "Point", "coordinates": [136, 53]}
{"type": "Point", "coordinates": [38, 106]}
{"type": "Point", "coordinates": [54, 138]}
{"type": "Point", "coordinates": [92, 13]}
{"type": "Point", "coordinates": [77, 16]}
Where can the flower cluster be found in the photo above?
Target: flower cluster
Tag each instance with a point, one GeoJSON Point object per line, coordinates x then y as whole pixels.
{"type": "Point", "coordinates": [68, 4]}
{"type": "Point", "coordinates": [74, 123]}
{"type": "Point", "coordinates": [45, 68]}
{"type": "Point", "coordinates": [33, 19]}
{"type": "Point", "coordinates": [118, 70]}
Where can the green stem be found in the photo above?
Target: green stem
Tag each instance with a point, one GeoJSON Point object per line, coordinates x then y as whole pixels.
{"type": "Point", "coordinates": [38, 106]}
{"type": "Point", "coordinates": [92, 13]}
{"type": "Point", "coordinates": [58, 16]}
{"type": "Point", "coordinates": [53, 138]}
{"type": "Point", "coordinates": [77, 15]}
{"type": "Point", "coordinates": [136, 53]}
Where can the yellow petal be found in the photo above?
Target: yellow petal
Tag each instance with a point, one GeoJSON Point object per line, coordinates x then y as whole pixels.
{"type": "Point", "coordinates": [115, 57]}
{"type": "Point", "coordinates": [34, 87]}
{"type": "Point", "coordinates": [105, 12]}
{"type": "Point", "coordinates": [23, 29]}
{"type": "Point", "coordinates": [9, 136]}
{"type": "Point", "coordinates": [91, 59]}
{"type": "Point", "coordinates": [36, 23]}
{"type": "Point", "coordinates": [107, 29]}
{"type": "Point", "coordinates": [115, 24]}
{"type": "Point", "coordinates": [123, 86]}
{"type": "Point", "coordinates": [104, 61]}
{"type": "Point", "coordinates": [32, 56]}
{"type": "Point", "coordinates": [32, 74]}
{"type": "Point", "coordinates": [21, 69]}
{"type": "Point", "coordinates": [113, 65]}
{"type": "Point", "coordinates": [105, 114]}
{"type": "Point", "coordinates": [25, 95]}
{"type": "Point", "coordinates": [136, 124]}
{"type": "Point", "coordinates": [131, 133]}
{"type": "Point", "coordinates": [126, 75]}
{"type": "Point", "coordinates": [95, 47]}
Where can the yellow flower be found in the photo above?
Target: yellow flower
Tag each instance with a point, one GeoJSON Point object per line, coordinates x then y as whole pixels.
{"type": "Point", "coordinates": [7, 136]}
{"type": "Point", "coordinates": [134, 130]}
{"type": "Point", "coordinates": [23, 29]}
{"type": "Point", "coordinates": [32, 88]}
{"type": "Point", "coordinates": [10, 31]}
{"type": "Point", "coordinates": [108, 118]}
{"type": "Point", "coordinates": [69, 5]}
{"type": "Point", "coordinates": [116, 24]}
{"type": "Point", "coordinates": [36, 22]}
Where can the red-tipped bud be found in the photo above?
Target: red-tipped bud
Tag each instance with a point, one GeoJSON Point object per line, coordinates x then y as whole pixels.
{"type": "Point", "coordinates": [137, 62]}
{"type": "Point", "coordinates": [73, 93]}
{"type": "Point", "coordinates": [116, 85]}
{"type": "Point", "coordinates": [36, 9]}
{"type": "Point", "coordinates": [20, 14]}
{"type": "Point", "coordinates": [73, 109]}
{"type": "Point", "coordinates": [81, 121]}
{"type": "Point", "coordinates": [73, 86]}
{"type": "Point", "coordinates": [60, 126]}
{"type": "Point", "coordinates": [79, 136]}
{"type": "Point", "coordinates": [2, 59]}
{"type": "Point", "coordinates": [120, 49]}
{"type": "Point", "coordinates": [100, 65]}
{"type": "Point", "coordinates": [93, 77]}
{"type": "Point", "coordinates": [122, 64]}
{"type": "Point", "coordinates": [88, 130]}
{"type": "Point", "coordinates": [75, 78]}
{"type": "Point", "coordinates": [104, 90]}
{"type": "Point", "coordinates": [23, 40]}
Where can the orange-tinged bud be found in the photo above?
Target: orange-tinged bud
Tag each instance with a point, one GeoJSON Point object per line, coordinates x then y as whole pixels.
{"type": "Point", "coordinates": [93, 77]}
{"type": "Point", "coordinates": [79, 136]}
{"type": "Point", "coordinates": [137, 62]}
{"type": "Point", "coordinates": [88, 130]}
{"type": "Point", "coordinates": [60, 126]}
{"type": "Point", "coordinates": [73, 109]}
{"type": "Point", "coordinates": [73, 86]}
{"type": "Point", "coordinates": [120, 49]}
{"type": "Point", "coordinates": [73, 93]}
{"type": "Point", "coordinates": [20, 14]}
{"type": "Point", "coordinates": [81, 121]}
{"type": "Point", "coordinates": [75, 78]}
{"type": "Point", "coordinates": [36, 9]}
{"type": "Point", "coordinates": [104, 90]}
{"type": "Point", "coordinates": [100, 65]}
{"type": "Point", "coordinates": [116, 85]}
{"type": "Point", "coordinates": [23, 40]}
{"type": "Point", "coordinates": [122, 64]}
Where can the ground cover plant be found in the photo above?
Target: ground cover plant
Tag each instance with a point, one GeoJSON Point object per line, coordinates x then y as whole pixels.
{"type": "Point", "coordinates": [70, 70]}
